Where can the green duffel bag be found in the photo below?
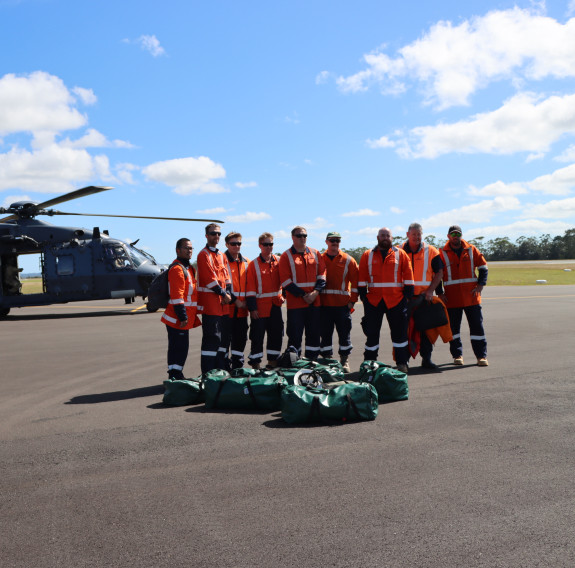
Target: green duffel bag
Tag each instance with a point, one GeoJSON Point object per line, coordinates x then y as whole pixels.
{"type": "Point", "coordinates": [330, 370]}
{"type": "Point", "coordinates": [391, 384]}
{"type": "Point", "coordinates": [260, 391]}
{"type": "Point", "coordinates": [351, 401]}
{"type": "Point", "coordinates": [183, 392]}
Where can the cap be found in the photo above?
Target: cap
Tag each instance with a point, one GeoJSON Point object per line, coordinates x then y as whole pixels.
{"type": "Point", "coordinates": [455, 228]}
{"type": "Point", "coordinates": [333, 235]}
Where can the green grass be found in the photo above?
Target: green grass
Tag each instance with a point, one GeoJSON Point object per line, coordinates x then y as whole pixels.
{"type": "Point", "coordinates": [32, 286]}
{"type": "Point", "coordinates": [525, 273]}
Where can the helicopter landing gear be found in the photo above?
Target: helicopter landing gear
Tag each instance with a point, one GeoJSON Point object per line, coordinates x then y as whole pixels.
{"type": "Point", "coordinates": [150, 309]}
{"type": "Point", "coordinates": [129, 300]}
{"type": "Point", "coordinates": [4, 312]}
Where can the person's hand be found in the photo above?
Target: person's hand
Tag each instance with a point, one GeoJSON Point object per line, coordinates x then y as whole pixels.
{"type": "Point", "coordinates": [240, 305]}
{"type": "Point", "coordinates": [255, 315]}
{"type": "Point", "coordinates": [310, 297]}
{"type": "Point", "coordinates": [226, 299]}
{"type": "Point", "coordinates": [428, 295]}
{"type": "Point", "coordinates": [184, 323]}
{"type": "Point", "coordinates": [477, 290]}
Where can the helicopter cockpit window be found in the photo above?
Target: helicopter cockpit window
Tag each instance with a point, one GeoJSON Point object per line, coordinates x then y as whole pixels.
{"type": "Point", "coordinates": [137, 257]}
{"type": "Point", "coordinates": [117, 255]}
{"type": "Point", "coordinates": [64, 265]}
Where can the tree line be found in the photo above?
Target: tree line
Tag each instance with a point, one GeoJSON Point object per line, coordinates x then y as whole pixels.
{"type": "Point", "coordinates": [544, 247]}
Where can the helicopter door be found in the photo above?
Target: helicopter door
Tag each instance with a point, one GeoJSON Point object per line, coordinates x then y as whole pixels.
{"type": "Point", "coordinates": [68, 272]}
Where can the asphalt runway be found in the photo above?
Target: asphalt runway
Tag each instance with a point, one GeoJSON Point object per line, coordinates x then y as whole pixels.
{"type": "Point", "coordinates": [474, 470]}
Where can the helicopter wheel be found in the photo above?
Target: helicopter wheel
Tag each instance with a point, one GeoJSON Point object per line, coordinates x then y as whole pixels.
{"type": "Point", "coordinates": [150, 309]}
{"type": "Point", "coordinates": [4, 312]}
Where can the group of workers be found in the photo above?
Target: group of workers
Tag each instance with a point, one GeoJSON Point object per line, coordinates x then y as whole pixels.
{"type": "Point", "coordinates": [320, 290]}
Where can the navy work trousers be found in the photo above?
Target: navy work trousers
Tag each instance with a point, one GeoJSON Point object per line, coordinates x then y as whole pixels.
{"type": "Point", "coordinates": [474, 317]}
{"type": "Point", "coordinates": [300, 319]}
{"type": "Point", "coordinates": [213, 353]}
{"type": "Point", "coordinates": [397, 320]}
{"type": "Point", "coordinates": [235, 338]}
{"type": "Point", "coordinates": [340, 318]}
{"type": "Point", "coordinates": [178, 345]}
{"type": "Point", "coordinates": [273, 326]}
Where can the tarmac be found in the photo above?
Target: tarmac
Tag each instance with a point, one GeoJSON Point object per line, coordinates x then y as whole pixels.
{"type": "Point", "coordinates": [474, 470]}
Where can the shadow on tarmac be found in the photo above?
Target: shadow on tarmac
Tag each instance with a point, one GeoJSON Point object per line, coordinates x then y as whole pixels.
{"type": "Point", "coordinates": [118, 395]}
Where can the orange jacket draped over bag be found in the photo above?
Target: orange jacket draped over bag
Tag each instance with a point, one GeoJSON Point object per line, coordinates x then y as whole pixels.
{"type": "Point", "coordinates": [183, 290]}
{"type": "Point", "coordinates": [459, 277]}
{"type": "Point", "coordinates": [385, 278]}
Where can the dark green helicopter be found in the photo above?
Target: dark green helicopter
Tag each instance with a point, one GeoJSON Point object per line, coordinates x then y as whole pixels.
{"type": "Point", "coordinates": [77, 264]}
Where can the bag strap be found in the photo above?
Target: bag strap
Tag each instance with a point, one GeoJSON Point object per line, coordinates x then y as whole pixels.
{"type": "Point", "coordinates": [351, 404]}
{"type": "Point", "coordinates": [220, 387]}
{"type": "Point", "coordinates": [251, 393]}
{"type": "Point", "coordinates": [314, 409]}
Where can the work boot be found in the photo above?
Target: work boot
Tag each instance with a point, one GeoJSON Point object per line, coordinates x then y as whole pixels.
{"type": "Point", "coordinates": [176, 375]}
{"type": "Point", "coordinates": [344, 360]}
{"type": "Point", "coordinates": [428, 364]}
{"type": "Point", "coordinates": [272, 364]}
{"type": "Point", "coordinates": [482, 362]}
{"type": "Point", "coordinates": [458, 361]}
{"type": "Point", "coordinates": [255, 366]}
{"type": "Point", "coordinates": [403, 368]}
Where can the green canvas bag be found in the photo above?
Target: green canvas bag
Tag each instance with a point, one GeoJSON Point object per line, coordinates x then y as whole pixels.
{"type": "Point", "coordinates": [351, 401]}
{"type": "Point", "coordinates": [183, 392]}
{"type": "Point", "coordinates": [257, 391]}
{"type": "Point", "coordinates": [390, 384]}
{"type": "Point", "coordinates": [330, 370]}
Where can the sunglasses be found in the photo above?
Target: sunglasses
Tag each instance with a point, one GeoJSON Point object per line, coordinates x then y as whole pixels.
{"type": "Point", "coordinates": [266, 244]}
{"type": "Point", "coordinates": [301, 236]}
{"type": "Point", "coordinates": [235, 244]}
{"type": "Point", "coordinates": [334, 240]}
{"type": "Point", "coordinates": [214, 233]}
{"type": "Point", "coordinates": [455, 234]}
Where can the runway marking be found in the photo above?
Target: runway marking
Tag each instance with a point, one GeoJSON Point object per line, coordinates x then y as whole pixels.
{"type": "Point", "coordinates": [140, 308]}
{"type": "Point", "coordinates": [523, 297]}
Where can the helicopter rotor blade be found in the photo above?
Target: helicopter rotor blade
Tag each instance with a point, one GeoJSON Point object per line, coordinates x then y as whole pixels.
{"type": "Point", "coordinates": [52, 212]}
{"type": "Point", "coordinates": [90, 190]}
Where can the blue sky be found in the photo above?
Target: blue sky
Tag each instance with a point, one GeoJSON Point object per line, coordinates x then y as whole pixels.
{"type": "Point", "coordinates": [334, 115]}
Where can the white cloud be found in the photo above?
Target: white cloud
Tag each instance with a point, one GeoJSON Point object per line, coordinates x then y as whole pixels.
{"type": "Point", "coordinates": [9, 199]}
{"type": "Point", "coordinates": [383, 142]}
{"type": "Point", "coordinates": [522, 124]}
{"type": "Point", "coordinates": [188, 175]}
{"type": "Point", "coordinates": [317, 223]}
{"type": "Point", "coordinates": [213, 210]}
{"type": "Point", "coordinates": [453, 61]}
{"type": "Point", "coordinates": [94, 139]}
{"type": "Point", "coordinates": [361, 213]}
{"type": "Point", "coordinates": [568, 155]}
{"type": "Point", "coordinates": [50, 169]}
{"type": "Point", "coordinates": [124, 172]}
{"type": "Point", "coordinates": [517, 229]}
{"type": "Point", "coordinates": [556, 209]}
{"type": "Point", "coordinates": [482, 211]}
{"type": "Point", "coordinates": [87, 96]}
{"type": "Point", "coordinates": [243, 185]}
{"type": "Point", "coordinates": [571, 8]}
{"type": "Point", "coordinates": [498, 188]}
{"type": "Point", "coordinates": [36, 102]}
{"type": "Point", "coordinates": [397, 210]}
{"type": "Point", "coordinates": [559, 182]}
{"type": "Point", "coordinates": [247, 217]}
{"type": "Point", "coordinates": [322, 77]}
{"type": "Point", "coordinates": [151, 44]}
{"type": "Point", "coordinates": [371, 231]}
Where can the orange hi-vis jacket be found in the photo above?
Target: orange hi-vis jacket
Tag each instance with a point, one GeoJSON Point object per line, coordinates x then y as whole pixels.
{"type": "Point", "coordinates": [182, 287]}
{"type": "Point", "coordinates": [459, 277]}
{"type": "Point", "coordinates": [385, 278]}
{"type": "Point", "coordinates": [212, 272]}
{"type": "Point", "coordinates": [421, 265]}
{"type": "Point", "coordinates": [303, 270]}
{"type": "Point", "coordinates": [237, 269]}
{"type": "Point", "coordinates": [341, 278]}
{"type": "Point", "coordinates": [264, 284]}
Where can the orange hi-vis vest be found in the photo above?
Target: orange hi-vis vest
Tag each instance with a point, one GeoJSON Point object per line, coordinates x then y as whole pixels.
{"type": "Point", "coordinates": [459, 277]}
{"type": "Point", "coordinates": [385, 278]}
{"type": "Point", "coordinates": [264, 284]}
{"type": "Point", "coordinates": [237, 269]}
{"type": "Point", "coordinates": [182, 287]}
{"type": "Point", "coordinates": [212, 272]}
{"type": "Point", "coordinates": [303, 270]}
{"type": "Point", "coordinates": [341, 280]}
{"type": "Point", "coordinates": [421, 265]}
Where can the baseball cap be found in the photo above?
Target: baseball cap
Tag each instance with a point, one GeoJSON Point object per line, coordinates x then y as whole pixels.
{"type": "Point", "coordinates": [455, 228]}
{"type": "Point", "coordinates": [333, 235]}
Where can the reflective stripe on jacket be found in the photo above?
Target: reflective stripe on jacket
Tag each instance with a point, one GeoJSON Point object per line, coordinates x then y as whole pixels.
{"type": "Point", "coordinates": [385, 278]}
{"type": "Point", "coordinates": [303, 270]}
{"type": "Point", "coordinates": [212, 272]}
{"type": "Point", "coordinates": [263, 284]}
{"type": "Point", "coordinates": [459, 276]}
{"type": "Point", "coordinates": [341, 277]}
{"type": "Point", "coordinates": [237, 269]}
{"type": "Point", "coordinates": [183, 290]}
{"type": "Point", "coordinates": [421, 265]}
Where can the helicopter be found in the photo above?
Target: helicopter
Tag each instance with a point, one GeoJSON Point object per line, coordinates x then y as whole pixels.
{"type": "Point", "coordinates": [77, 264]}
